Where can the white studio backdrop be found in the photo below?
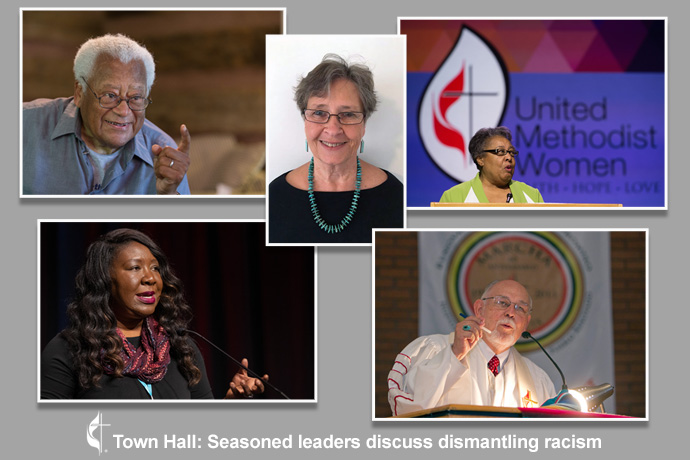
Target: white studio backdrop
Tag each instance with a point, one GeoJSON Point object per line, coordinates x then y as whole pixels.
{"type": "Point", "coordinates": [291, 57]}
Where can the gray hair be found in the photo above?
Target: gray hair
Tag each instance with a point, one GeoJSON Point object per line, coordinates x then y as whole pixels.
{"type": "Point", "coordinates": [480, 138]}
{"type": "Point", "coordinates": [494, 282]}
{"type": "Point", "coordinates": [118, 47]}
{"type": "Point", "coordinates": [333, 67]}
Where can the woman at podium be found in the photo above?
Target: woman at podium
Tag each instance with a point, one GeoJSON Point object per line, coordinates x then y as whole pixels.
{"type": "Point", "coordinates": [494, 155]}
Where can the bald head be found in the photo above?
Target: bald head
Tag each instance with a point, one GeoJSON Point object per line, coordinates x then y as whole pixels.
{"type": "Point", "coordinates": [502, 313]}
{"type": "Point", "coordinates": [498, 287]}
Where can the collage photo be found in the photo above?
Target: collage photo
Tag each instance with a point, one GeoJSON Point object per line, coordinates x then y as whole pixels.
{"type": "Point", "coordinates": [260, 230]}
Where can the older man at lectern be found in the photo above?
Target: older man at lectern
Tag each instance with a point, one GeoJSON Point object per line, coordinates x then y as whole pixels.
{"type": "Point", "coordinates": [477, 364]}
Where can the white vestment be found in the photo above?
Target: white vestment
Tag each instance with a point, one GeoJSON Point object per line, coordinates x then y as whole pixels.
{"type": "Point", "coordinates": [427, 374]}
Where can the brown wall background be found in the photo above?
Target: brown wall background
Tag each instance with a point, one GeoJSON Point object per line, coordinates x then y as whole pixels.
{"type": "Point", "coordinates": [396, 302]}
{"type": "Point", "coordinates": [210, 75]}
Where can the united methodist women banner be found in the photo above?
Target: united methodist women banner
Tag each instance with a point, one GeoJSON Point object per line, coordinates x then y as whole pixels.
{"type": "Point", "coordinates": [567, 274]}
{"type": "Point", "coordinates": [585, 101]}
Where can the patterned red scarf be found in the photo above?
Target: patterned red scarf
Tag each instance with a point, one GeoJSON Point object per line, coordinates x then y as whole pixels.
{"type": "Point", "coordinates": [149, 362]}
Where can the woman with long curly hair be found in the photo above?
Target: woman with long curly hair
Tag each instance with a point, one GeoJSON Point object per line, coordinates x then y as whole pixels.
{"type": "Point", "coordinates": [125, 338]}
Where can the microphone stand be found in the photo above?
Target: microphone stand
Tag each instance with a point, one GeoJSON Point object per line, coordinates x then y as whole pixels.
{"type": "Point", "coordinates": [249, 371]}
{"type": "Point", "coordinates": [592, 396]}
{"type": "Point", "coordinates": [527, 335]}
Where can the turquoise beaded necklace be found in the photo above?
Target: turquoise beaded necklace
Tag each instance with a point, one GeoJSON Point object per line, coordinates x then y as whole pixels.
{"type": "Point", "coordinates": [333, 228]}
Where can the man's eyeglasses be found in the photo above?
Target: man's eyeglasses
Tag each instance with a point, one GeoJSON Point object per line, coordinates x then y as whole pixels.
{"type": "Point", "coordinates": [111, 100]}
{"type": "Point", "coordinates": [502, 152]}
{"type": "Point", "coordinates": [503, 303]}
{"type": "Point", "coordinates": [322, 117]}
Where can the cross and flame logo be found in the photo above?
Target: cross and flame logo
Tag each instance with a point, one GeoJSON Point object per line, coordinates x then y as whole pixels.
{"type": "Point", "coordinates": [91, 439]}
{"type": "Point", "coordinates": [469, 91]}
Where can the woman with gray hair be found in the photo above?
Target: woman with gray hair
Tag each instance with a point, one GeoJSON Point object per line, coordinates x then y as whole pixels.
{"type": "Point", "coordinates": [494, 155]}
{"type": "Point", "coordinates": [335, 197]}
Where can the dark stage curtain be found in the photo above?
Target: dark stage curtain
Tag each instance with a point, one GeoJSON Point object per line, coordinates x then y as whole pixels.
{"type": "Point", "coordinates": [251, 300]}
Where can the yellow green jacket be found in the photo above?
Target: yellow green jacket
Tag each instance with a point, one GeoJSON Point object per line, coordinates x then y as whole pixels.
{"type": "Point", "coordinates": [472, 191]}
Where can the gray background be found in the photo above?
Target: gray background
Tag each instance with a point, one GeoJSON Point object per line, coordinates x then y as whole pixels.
{"type": "Point", "coordinates": [344, 312]}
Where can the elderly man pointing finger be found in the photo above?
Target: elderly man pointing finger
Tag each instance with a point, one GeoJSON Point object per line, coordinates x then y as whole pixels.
{"type": "Point", "coordinates": [476, 364]}
{"type": "Point", "coordinates": [99, 142]}
{"type": "Point", "coordinates": [170, 164]}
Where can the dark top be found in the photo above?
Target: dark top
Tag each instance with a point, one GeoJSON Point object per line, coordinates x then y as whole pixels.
{"type": "Point", "coordinates": [58, 380]}
{"type": "Point", "coordinates": [290, 219]}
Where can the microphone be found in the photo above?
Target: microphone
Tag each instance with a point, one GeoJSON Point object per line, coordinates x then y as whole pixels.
{"type": "Point", "coordinates": [183, 331]}
{"type": "Point", "coordinates": [509, 197]}
{"type": "Point", "coordinates": [527, 335]}
{"type": "Point", "coordinates": [574, 399]}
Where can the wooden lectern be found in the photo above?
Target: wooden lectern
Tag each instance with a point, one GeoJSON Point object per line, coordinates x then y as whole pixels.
{"type": "Point", "coordinates": [524, 205]}
{"type": "Point", "coordinates": [468, 411]}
